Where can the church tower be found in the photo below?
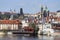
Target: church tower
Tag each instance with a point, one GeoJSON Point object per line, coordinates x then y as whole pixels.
{"type": "Point", "coordinates": [21, 11]}
{"type": "Point", "coordinates": [21, 14]}
{"type": "Point", "coordinates": [41, 12]}
{"type": "Point", "coordinates": [41, 9]}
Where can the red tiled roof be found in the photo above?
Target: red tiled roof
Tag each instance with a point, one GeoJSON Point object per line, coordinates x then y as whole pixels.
{"type": "Point", "coordinates": [9, 22]}
{"type": "Point", "coordinates": [28, 29]}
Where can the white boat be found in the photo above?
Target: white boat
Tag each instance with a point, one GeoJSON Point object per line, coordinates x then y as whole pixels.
{"type": "Point", "coordinates": [47, 29]}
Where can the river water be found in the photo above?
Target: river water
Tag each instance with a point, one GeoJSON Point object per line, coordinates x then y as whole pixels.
{"type": "Point", "coordinates": [21, 37]}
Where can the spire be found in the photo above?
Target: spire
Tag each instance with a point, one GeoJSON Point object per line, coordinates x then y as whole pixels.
{"type": "Point", "coordinates": [46, 8]}
{"type": "Point", "coordinates": [10, 10]}
{"type": "Point", "coordinates": [41, 8]}
{"type": "Point", "coordinates": [14, 11]}
{"type": "Point", "coordinates": [48, 12]}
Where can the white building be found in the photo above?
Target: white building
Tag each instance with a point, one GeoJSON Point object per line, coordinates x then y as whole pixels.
{"type": "Point", "coordinates": [9, 24]}
{"type": "Point", "coordinates": [24, 23]}
{"type": "Point", "coordinates": [58, 14]}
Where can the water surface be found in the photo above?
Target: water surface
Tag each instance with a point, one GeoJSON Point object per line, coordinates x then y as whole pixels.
{"type": "Point", "coordinates": [21, 37]}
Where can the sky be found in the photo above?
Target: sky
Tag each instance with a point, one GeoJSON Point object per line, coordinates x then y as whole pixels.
{"type": "Point", "coordinates": [29, 6]}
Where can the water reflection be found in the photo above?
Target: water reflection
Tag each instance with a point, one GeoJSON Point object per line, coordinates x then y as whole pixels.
{"type": "Point", "coordinates": [46, 37]}
{"type": "Point", "coordinates": [21, 37]}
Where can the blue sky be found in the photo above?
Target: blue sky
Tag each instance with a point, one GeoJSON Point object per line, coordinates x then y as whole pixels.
{"type": "Point", "coordinates": [29, 6]}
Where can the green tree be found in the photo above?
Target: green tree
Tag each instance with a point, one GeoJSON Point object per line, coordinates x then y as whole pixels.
{"type": "Point", "coordinates": [33, 25]}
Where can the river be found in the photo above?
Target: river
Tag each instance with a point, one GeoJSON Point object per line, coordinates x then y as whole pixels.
{"type": "Point", "coordinates": [21, 37]}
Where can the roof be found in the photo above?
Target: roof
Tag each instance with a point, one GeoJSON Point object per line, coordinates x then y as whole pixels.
{"type": "Point", "coordinates": [58, 10]}
{"type": "Point", "coordinates": [9, 22]}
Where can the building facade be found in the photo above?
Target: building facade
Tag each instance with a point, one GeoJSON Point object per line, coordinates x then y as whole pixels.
{"type": "Point", "coordinates": [9, 24]}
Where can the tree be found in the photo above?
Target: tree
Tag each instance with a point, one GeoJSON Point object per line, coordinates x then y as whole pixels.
{"type": "Point", "coordinates": [33, 25]}
{"type": "Point", "coordinates": [7, 16]}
